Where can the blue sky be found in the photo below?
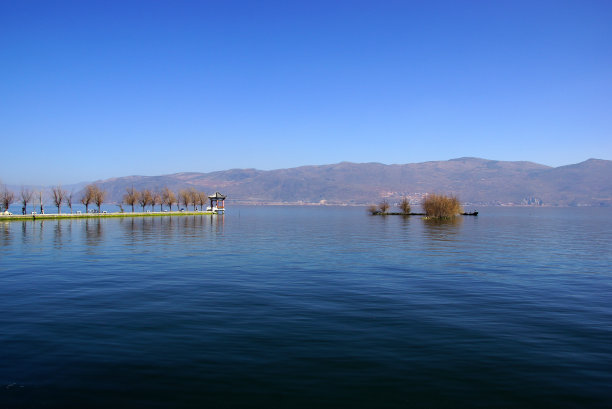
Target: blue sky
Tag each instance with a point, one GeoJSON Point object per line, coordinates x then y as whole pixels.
{"type": "Point", "coordinates": [98, 89]}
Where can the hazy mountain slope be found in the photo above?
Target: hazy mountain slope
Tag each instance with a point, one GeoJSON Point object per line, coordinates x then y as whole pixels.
{"type": "Point", "coordinates": [472, 179]}
{"type": "Point", "coordinates": [586, 182]}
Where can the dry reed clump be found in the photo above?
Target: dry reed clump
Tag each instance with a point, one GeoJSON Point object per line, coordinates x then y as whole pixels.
{"type": "Point", "coordinates": [382, 208]}
{"type": "Point", "coordinates": [405, 205]}
{"type": "Point", "coordinates": [441, 206]}
{"type": "Point", "coordinates": [373, 209]}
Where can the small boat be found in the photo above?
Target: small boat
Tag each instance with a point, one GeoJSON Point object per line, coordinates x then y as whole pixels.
{"type": "Point", "coordinates": [470, 214]}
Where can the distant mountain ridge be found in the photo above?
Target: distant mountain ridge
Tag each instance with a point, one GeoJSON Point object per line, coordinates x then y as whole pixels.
{"type": "Point", "coordinates": [474, 180]}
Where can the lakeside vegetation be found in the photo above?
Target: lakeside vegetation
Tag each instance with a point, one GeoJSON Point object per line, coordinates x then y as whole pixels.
{"type": "Point", "coordinates": [441, 207]}
{"type": "Point", "coordinates": [435, 206]}
{"type": "Point", "coordinates": [92, 194]}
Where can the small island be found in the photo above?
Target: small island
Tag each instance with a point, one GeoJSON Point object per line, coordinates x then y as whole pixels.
{"type": "Point", "coordinates": [435, 206]}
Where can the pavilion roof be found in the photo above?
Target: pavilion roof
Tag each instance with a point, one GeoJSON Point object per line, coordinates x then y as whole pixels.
{"type": "Point", "coordinates": [217, 196]}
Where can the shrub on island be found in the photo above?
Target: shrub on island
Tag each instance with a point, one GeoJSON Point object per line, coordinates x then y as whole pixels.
{"type": "Point", "coordinates": [382, 208]}
{"type": "Point", "coordinates": [404, 205]}
{"type": "Point", "coordinates": [441, 206]}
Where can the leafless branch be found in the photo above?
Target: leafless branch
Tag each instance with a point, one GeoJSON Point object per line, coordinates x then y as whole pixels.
{"type": "Point", "coordinates": [131, 197]}
{"type": "Point", "coordinates": [59, 195]}
{"type": "Point", "coordinates": [25, 196]}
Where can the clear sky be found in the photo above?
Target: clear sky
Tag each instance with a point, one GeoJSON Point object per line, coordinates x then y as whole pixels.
{"type": "Point", "coordinates": [97, 89]}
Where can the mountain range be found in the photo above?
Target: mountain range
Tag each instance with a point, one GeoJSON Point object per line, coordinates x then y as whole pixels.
{"type": "Point", "coordinates": [473, 180]}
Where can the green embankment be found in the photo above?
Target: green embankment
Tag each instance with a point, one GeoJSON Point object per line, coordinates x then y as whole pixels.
{"type": "Point", "coordinates": [98, 215]}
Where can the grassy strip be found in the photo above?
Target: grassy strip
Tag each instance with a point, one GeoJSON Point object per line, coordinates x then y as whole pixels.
{"type": "Point", "coordinates": [97, 215]}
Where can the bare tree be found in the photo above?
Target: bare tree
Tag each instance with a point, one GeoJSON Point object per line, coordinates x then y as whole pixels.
{"type": "Point", "coordinates": [144, 198]}
{"type": "Point", "coordinates": [168, 198]}
{"type": "Point", "coordinates": [194, 197]}
{"type": "Point", "coordinates": [40, 196]}
{"type": "Point", "coordinates": [99, 197]}
{"type": "Point", "coordinates": [172, 199]}
{"type": "Point", "coordinates": [202, 199]}
{"type": "Point", "coordinates": [156, 200]}
{"type": "Point", "coordinates": [6, 198]}
{"type": "Point", "coordinates": [88, 196]}
{"type": "Point", "coordinates": [185, 197]}
{"type": "Point", "coordinates": [69, 200]}
{"type": "Point", "coordinates": [59, 195]}
{"type": "Point", "coordinates": [26, 197]}
{"type": "Point", "coordinates": [131, 197]}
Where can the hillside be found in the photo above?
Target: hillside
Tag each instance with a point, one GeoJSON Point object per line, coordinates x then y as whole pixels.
{"type": "Point", "coordinates": [474, 180]}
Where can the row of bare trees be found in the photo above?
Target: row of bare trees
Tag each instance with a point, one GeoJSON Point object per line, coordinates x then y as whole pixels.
{"type": "Point", "coordinates": [60, 196]}
{"type": "Point", "coordinates": [91, 194]}
{"type": "Point", "coordinates": [165, 197]}
{"type": "Point", "coordinates": [25, 196]}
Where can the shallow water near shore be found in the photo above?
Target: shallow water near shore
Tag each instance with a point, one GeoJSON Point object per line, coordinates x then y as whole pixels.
{"type": "Point", "coordinates": [308, 306]}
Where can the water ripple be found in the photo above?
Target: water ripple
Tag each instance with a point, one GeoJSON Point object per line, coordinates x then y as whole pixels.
{"type": "Point", "coordinates": [295, 307]}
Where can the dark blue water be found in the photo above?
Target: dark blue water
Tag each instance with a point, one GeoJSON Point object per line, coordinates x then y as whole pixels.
{"type": "Point", "coordinates": [308, 307]}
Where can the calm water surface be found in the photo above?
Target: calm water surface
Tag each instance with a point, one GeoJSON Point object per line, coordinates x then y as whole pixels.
{"type": "Point", "coordinates": [305, 307]}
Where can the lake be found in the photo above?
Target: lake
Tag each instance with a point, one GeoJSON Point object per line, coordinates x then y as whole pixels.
{"type": "Point", "coordinates": [301, 307]}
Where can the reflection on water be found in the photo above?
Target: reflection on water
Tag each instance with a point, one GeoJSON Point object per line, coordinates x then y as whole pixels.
{"type": "Point", "coordinates": [93, 232]}
{"type": "Point", "coordinates": [57, 237]}
{"type": "Point", "coordinates": [442, 229]}
{"type": "Point", "coordinates": [446, 221]}
{"type": "Point", "coordinates": [5, 233]}
{"type": "Point", "coordinates": [170, 229]}
{"type": "Point", "coordinates": [24, 230]}
{"type": "Point", "coordinates": [96, 231]}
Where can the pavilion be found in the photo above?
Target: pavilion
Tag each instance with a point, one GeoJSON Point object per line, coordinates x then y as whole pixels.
{"type": "Point", "coordinates": [214, 202]}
